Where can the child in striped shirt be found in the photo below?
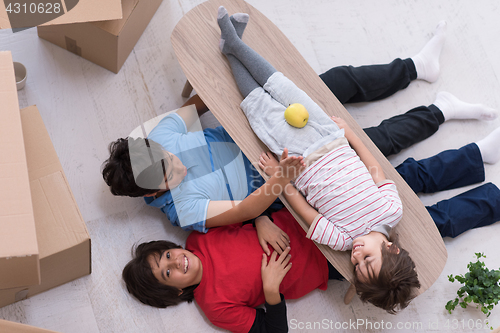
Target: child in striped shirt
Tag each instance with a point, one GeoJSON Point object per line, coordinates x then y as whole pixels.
{"type": "Point", "coordinates": [355, 206]}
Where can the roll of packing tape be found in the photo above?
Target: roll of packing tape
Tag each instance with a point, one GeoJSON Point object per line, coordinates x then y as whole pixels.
{"type": "Point", "coordinates": [21, 74]}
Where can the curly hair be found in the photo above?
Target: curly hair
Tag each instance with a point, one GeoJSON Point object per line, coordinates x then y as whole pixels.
{"type": "Point", "coordinates": [394, 286]}
{"type": "Point", "coordinates": [144, 286]}
{"type": "Point", "coordinates": [149, 167]}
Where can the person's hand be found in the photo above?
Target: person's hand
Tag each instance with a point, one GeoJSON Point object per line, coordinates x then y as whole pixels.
{"type": "Point", "coordinates": [273, 273]}
{"type": "Point", "coordinates": [341, 123]}
{"type": "Point", "coordinates": [268, 163]}
{"type": "Point", "coordinates": [270, 233]}
{"type": "Point", "coordinates": [290, 166]}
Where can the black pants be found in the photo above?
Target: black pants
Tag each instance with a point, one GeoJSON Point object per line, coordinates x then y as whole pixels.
{"type": "Point", "coordinates": [450, 169]}
{"type": "Point", "coordinates": [370, 83]}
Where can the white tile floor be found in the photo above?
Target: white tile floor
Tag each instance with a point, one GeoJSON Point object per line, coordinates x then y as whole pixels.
{"type": "Point", "coordinates": [85, 107]}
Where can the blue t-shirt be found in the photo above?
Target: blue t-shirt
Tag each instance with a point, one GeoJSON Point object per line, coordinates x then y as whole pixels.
{"type": "Point", "coordinates": [216, 170]}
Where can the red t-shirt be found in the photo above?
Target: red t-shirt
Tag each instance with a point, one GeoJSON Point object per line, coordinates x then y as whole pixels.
{"type": "Point", "coordinates": [231, 285]}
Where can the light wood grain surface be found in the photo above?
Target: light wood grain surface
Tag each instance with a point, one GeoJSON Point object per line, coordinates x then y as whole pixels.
{"type": "Point", "coordinates": [85, 107]}
{"type": "Point", "coordinates": [195, 41]}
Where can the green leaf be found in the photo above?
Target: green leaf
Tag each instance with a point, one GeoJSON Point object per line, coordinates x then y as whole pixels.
{"type": "Point", "coordinates": [480, 285]}
{"type": "Point", "coordinates": [449, 306]}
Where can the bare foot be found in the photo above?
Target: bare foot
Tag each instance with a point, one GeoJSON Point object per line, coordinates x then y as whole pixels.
{"type": "Point", "coordinates": [268, 163]}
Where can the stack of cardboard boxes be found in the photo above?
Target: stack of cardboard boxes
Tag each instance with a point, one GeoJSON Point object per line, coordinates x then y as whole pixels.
{"type": "Point", "coordinates": [105, 43]}
{"type": "Point", "coordinates": [43, 238]}
{"type": "Point", "coordinates": [101, 31]}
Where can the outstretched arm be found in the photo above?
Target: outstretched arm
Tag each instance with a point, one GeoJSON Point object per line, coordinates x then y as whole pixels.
{"type": "Point", "coordinates": [226, 212]}
{"type": "Point", "coordinates": [300, 204]}
{"type": "Point", "coordinates": [221, 213]}
{"type": "Point", "coordinates": [364, 154]}
{"type": "Point", "coordinates": [269, 164]}
{"type": "Point", "coordinates": [321, 230]}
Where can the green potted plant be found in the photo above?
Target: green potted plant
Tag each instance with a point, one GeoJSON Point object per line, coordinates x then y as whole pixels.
{"type": "Point", "coordinates": [480, 286]}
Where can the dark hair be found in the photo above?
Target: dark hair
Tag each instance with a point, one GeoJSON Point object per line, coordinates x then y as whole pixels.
{"type": "Point", "coordinates": [394, 286]}
{"type": "Point", "coordinates": [118, 171]}
{"type": "Point", "coordinates": [144, 286]}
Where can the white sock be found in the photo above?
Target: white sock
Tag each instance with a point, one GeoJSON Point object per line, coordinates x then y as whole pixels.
{"type": "Point", "coordinates": [427, 60]}
{"type": "Point", "coordinates": [453, 108]}
{"type": "Point", "coordinates": [490, 147]}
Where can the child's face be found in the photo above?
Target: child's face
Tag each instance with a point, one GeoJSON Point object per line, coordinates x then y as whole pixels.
{"type": "Point", "coordinates": [367, 253]}
{"type": "Point", "coordinates": [177, 268]}
{"type": "Point", "coordinates": [176, 171]}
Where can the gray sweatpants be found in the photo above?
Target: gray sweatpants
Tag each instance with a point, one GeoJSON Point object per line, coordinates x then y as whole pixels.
{"type": "Point", "coordinates": [265, 107]}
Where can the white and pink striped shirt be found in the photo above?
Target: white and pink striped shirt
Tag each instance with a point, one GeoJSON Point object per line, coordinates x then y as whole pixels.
{"type": "Point", "coordinates": [339, 186]}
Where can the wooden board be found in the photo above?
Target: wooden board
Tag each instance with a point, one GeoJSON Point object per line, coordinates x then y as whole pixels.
{"type": "Point", "coordinates": [195, 40]}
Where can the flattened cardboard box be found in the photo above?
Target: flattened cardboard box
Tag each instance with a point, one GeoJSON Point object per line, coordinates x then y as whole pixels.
{"type": "Point", "coordinates": [11, 327]}
{"type": "Point", "coordinates": [68, 11]}
{"type": "Point", "coordinates": [63, 238]}
{"type": "Point", "coordinates": [19, 265]}
{"type": "Point", "coordinates": [108, 43]}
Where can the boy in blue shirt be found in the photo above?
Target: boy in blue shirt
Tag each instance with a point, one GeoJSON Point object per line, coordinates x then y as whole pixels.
{"type": "Point", "coordinates": [218, 176]}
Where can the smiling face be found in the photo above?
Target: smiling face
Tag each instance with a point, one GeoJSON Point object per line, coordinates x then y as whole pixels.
{"type": "Point", "coordinates": [366, 255]}
{"type": "Point", "coordinates": [175, 172]}
{"type": "Point", "coordinates": [177, 268]}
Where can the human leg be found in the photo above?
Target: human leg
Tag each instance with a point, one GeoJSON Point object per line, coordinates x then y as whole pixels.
{"type": "Point", "coordinates": [333, 274]}
{"type": "Point", "coordinates": [281, 89]}
{"type": "Point", "coordinates": [264, 108]}
{"type": "Point", "coordinates": [476, 208]}
{"type": "Point", "coordinates": [489, 147]}
{"type": "Point", "coordinates": [404, 130]}
{"type": "Point", "coordinates": [370, 83]}
{"type": "Point", "coordinates": [231, 44]}
{"type": "Point", "coordinates": [266, 117]}
{"type": "Point", "coordinates": [239, 22]}
{"type": "Point", "coordinates": [453, 108]}
{"type": "Point", "coordinates": [455, 168]}
{"type": "Point", "coordinates": [427, 60]}
{"type": "Point", "coordinates": [244, 80]}
{"type": "Point", "coordinates": [449, 169]}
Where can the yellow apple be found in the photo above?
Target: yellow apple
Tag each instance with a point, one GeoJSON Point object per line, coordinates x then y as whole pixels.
{"type": "Point", "coordinates": [296, 115]}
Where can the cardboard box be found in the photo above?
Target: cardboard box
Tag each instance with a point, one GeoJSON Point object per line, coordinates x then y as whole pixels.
{"type": "Point", "coordinates": [73, 11]}
{"type": "Point", "coordinates": [19, 264]}
{"type": "Point", "coordinates": [108, 43]}
{"type": "Point", "coordinates": [11, 327]}
{"type": "Point", "coordinates": [63, 239]}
